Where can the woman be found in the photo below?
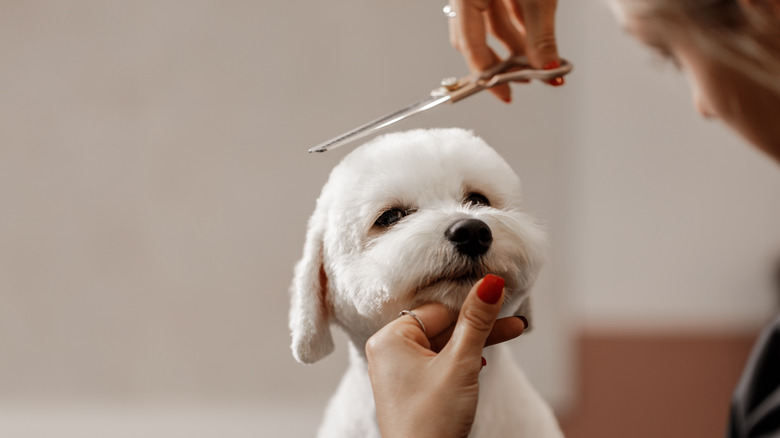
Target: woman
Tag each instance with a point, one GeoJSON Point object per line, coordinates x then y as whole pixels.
{"type": "Point", "coordinates": [730, 52]}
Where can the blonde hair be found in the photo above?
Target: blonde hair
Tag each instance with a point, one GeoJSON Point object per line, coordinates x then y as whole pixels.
{"type": "Point", "coordinates": [744, 37]}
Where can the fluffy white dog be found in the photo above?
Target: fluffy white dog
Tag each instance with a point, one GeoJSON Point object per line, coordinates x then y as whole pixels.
{"type": "Point", "coordinates": [406, 219]}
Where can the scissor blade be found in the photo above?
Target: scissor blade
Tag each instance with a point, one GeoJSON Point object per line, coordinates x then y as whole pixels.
{"type": "Point", "coordinates": [381, 122]}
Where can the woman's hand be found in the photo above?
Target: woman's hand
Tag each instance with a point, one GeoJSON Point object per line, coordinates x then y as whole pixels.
{"type": "Point", "coordinates": [422, 393]}
{"type": "Point", "coordinates": [524, 27]}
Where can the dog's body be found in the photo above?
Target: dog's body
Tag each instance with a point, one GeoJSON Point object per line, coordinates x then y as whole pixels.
{"type": "Point", "coordinates": [411, 218]}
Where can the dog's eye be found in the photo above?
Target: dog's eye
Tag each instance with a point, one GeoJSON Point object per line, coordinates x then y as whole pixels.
{"type": "Point", "coordinates": [476, 199]}
{"type": "Point", "coordinates": [390, 217]}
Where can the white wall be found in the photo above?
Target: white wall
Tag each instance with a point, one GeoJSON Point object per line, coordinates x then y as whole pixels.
{"type": "Point", "coordinates": [154, 190]}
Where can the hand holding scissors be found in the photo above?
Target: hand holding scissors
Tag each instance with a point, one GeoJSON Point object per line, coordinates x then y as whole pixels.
{"type": "Point", "coordinates": [454, 90]}
{"type": "Point", "coordinates": [521, 26]}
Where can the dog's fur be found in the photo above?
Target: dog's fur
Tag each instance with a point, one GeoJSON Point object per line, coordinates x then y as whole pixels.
{"type": "Point", "coordinates": [358, 274]}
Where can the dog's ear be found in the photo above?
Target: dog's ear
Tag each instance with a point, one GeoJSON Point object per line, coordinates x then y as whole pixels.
{"type": "Point", "coordinates": [309, 320]}
{"type": "Point", "coordinates": [525, 311]}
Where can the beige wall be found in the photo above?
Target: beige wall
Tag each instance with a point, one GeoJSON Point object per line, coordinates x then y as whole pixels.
{"type": "Point", "coordinates": [154, 190]}
{"type": "Point", "coordinates": [677, 220]}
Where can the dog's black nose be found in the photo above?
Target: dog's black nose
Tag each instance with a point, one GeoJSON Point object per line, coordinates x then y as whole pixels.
{"type": "Point", "coordinates": [471, 237]}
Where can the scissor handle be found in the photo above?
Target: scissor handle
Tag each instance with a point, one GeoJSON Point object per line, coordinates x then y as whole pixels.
{"type": "Point", "coordinates": [511, 62]}
{"type": "Point", "coordinates": [526, 72]}
{"type": "Point", "coordinates": [515, 68]}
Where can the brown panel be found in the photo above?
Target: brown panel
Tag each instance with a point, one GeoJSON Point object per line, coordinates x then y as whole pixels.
{"type": "Point", "coordinates": [656, 385]}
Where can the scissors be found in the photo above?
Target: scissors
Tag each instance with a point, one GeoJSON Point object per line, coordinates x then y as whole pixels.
{"type": "Point", "coordinates": [453, 90]}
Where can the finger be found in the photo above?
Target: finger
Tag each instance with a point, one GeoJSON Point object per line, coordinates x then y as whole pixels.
{"type": "Point", "coordinates": [405, 331]}
{"type": "Point", "coordinates": [471, 40]}
{"type": "Point", "coordinates": [477, 317]}
{"type": "Point", "coordinates": [505, 29]}
{"type": "Point", "coordinates": [434, 316]}
{"type": "Point", "coordinates": [505, 329]}
{"type": "Point", "coordinates": [439, 341]}
{"type": "Point", "coordinates": [538, 17]}
{"type": "Point", "coordinates": [472, 35]}
{"type": "Point", "coordinates": [503, 92]}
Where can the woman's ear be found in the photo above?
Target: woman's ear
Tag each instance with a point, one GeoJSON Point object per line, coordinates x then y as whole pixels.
{"type": "Point", "coordinates": [309, 310]}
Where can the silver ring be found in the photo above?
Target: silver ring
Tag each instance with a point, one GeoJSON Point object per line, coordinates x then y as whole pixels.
{"type": "Point", "coordinates": [449, 12]}
{"type": "Point", "coordinates": [410, 313]}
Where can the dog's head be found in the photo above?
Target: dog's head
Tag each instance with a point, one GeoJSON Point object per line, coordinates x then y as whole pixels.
{"type": "Point", "coordinates": [410, 218]}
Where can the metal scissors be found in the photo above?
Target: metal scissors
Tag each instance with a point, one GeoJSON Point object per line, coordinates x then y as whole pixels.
{"type": "Point", "coordinates": [453, 90]}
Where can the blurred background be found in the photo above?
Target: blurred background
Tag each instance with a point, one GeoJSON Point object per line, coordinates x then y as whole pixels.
{"type": "Point", "coordinates": [155, 188]}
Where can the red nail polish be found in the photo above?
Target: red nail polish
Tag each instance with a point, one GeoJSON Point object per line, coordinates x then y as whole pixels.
{"type": "Point", "coordinates": [490, 289]}
{"type": "Point", "coordinates": [555, 82]}
{"type": "Point", "coordinates": [484, 361]}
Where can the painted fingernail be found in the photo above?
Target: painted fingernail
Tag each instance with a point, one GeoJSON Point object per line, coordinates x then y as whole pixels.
{"type": "Point", "coordinates": [555, 82]}
{"type": "Point", "coordinates": [490, 289]}
{"type": "Point", "coordinates": [522, 318]}
{"type": "Point", "coordinates": [484, 361]}
{"type": "Point", "coordinates": [504, 97]}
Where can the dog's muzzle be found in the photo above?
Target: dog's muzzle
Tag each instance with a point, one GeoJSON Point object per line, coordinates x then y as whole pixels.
{"type": "Point", "coordinates": [471, 237]}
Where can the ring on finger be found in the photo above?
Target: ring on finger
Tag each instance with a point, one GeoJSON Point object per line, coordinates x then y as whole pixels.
{"type": "Point", "coordinates": [419, 321]}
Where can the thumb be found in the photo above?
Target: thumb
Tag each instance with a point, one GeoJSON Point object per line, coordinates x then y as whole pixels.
{"type": "Point", "coordinates": [476, 319]}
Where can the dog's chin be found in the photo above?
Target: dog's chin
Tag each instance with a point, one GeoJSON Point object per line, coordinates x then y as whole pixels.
{"type": "Point", "coordinates": [451, 286]}
{"type": "Point", "coordinates": [449, 291]}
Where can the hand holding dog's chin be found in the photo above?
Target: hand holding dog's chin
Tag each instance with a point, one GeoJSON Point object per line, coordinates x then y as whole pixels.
{"type": "Point", "coordinates": [421, 393]}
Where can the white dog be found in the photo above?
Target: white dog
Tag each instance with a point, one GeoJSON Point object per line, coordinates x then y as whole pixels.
{"type": "Point", "coordinates": [406, 219]}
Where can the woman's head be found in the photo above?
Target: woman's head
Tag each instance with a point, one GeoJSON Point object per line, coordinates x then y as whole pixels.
{"type": "Point", "coordinates": [728, 49]}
